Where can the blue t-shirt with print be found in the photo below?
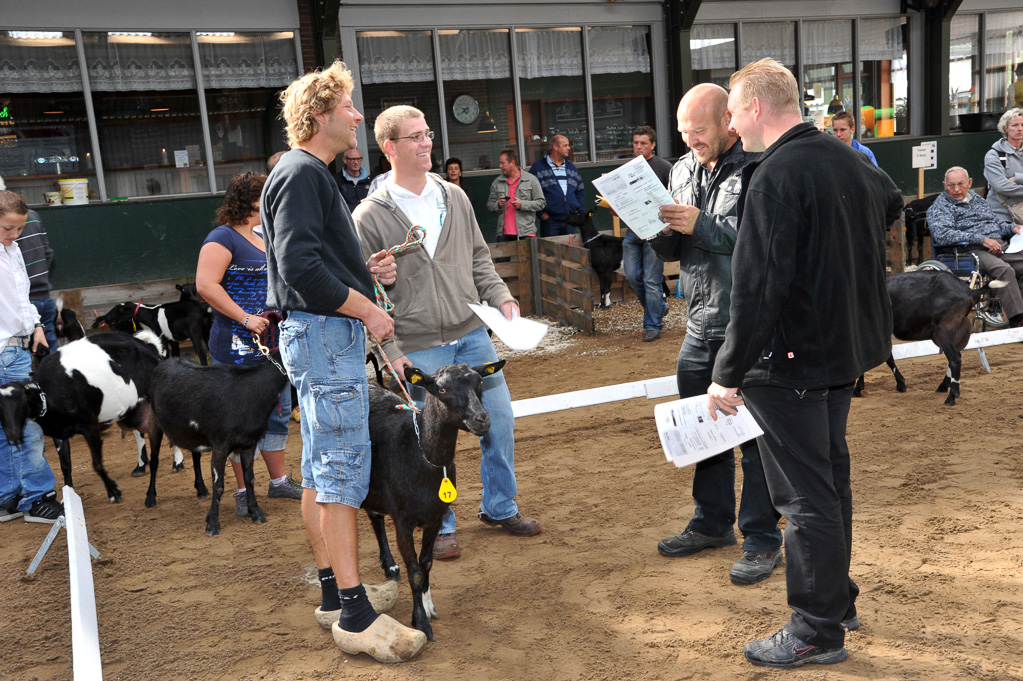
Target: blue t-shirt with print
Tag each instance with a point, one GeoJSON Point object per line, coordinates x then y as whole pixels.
{"type": "Point", "coordinates": [245, 282]}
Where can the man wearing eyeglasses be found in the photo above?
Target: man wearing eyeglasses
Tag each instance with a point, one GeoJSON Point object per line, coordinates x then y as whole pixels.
{"type": "Point", "coordinates": [433, 325]}
{"type": "Point", "coordinates": [353, 180]}
{"type": "Point", "coordinates": [960, 215]}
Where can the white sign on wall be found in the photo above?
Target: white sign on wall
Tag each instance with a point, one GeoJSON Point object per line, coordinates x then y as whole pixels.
{"type": "Point", "coordinates": [925, 156]}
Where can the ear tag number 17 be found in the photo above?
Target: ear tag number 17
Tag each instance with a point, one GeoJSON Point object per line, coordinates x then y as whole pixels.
{"type": "Point", "coordinates": [447, 491]}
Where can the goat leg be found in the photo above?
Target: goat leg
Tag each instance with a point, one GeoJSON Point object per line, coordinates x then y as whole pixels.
{"type": "Point", "coordinates": [143, 458]}
{"type": "Point", "coordinates": [858, 389]}
{"type": "Point", "coordinates": [179, 461]}
{"type": "Point", "coordinates": [92, 438]}
{"type": "Point", "coordinates": [390, 568]}
{"type": "Point", "coordinates": [255, 512]}
{"type": "Point", "coordinates": [217, 469]}
{"type": "Point", "coordinates": [200, 487]}
{"type": "Point", "coordinates": [155, 441]}
{"type": "Point", "coordinates": [426, 563]}
{"type": "Point", "coordinates": [64, 454]}
{"type": "Point", "coordinates": [900, 382]}
{"type": "Point", "coordinates": [403, 530]}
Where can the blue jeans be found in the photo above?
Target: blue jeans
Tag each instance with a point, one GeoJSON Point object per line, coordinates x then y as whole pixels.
{"type": "Point", "coordinates": [326, 362]}
{"type": "Point", "coordinates": [497, 465]}
{"type": "Point", "coordinates": [714, 478]}
{"type": "Point", "coordinates": [645, 272]}
{"type": "Point", "coordinates": [47, 310]}
{"type": "Point", "coordinates": [806, 460]}
{"type": "Point", "coordinates": [555, 227]}
{"type": "Point", "coordinates": [23, 468]}
{"type": "Point", "coordinates": [276, 436]}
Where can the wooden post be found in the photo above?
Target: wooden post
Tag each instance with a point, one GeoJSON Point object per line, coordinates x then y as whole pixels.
{"type": "Point", "coordinates": [617, 224]}
{"type": "Point", "coordinates": [920, 183]}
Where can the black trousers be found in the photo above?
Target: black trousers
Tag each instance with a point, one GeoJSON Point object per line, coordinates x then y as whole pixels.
{"type": "Point", "coordinates": [806, 463]}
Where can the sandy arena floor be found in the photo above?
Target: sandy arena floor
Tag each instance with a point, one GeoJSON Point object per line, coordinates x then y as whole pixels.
{"type": "Point", "coordinates": [938, 551]}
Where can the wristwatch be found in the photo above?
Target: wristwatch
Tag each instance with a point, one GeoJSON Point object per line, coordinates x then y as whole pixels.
{"type": "Point", "coordinates": [40, 325]}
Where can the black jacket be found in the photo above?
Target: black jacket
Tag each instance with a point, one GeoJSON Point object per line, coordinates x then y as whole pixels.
{"type": "Point", "coordinates": [809, 305]}
{"type": "Point", "coordinates": [352, 191]}
{"type": "Point", "coordinates": [705, 257]}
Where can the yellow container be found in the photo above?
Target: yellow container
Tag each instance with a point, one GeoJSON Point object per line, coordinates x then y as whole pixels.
{"type": "Point", "coordinates": [75, 192]}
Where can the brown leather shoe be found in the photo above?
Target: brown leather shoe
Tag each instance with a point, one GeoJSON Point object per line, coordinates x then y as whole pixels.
{"type": "Point", "coordinates": [446, 547]}
{"type": "Point", "coordinates": [518, 525]}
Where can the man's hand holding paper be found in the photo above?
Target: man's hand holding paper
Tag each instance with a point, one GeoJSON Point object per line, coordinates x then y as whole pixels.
{"type": "Point", "coordinates": [680, 218]}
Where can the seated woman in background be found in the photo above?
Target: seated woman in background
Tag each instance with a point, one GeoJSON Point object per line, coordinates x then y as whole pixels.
{"type": "Point", "coordinates": [231, 277]}
{"type": "Point", "coordinates": [1003, 169]}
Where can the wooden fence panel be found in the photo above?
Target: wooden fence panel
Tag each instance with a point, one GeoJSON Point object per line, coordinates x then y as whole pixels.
{"type": "Point", "coordinates": [566, 284]}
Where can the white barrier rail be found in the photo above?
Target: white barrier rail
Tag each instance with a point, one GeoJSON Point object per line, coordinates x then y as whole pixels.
{"type": "Point", "coordinates": [655, 388]}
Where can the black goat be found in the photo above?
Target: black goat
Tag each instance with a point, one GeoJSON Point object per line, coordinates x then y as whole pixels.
{"type": "Point", "coordinates": [222, 408]}
{"type": "Point", "coordinates": [83, 388]}
{"type": "Point", "coordinates": [410, 455]}
{"type": "Point", "coordinates": [605, 251]}
{"type": "Point", "coordinates": [932, 305]}
{"type": "Point", "coordinates": [173, 322]}
{"type": "Point", "coordinates": [916, 226]}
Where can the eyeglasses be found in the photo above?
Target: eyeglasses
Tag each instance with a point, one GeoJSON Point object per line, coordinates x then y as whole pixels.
{"type": "Point", "coordinates": [956, 185]}
{"type": "Point", "coordinates": [353, 158]}
{"type": "Point", "coordinates": [416, 138]}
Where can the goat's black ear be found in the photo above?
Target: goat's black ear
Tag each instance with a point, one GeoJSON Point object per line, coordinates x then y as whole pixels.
{"type": "Point", "coordinates": [417, 377]}
{"type": "Point", "coordinates": [489, 368]}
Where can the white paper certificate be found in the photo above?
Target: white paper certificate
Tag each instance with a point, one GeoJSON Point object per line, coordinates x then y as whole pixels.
{"type": "Point", "coordinates": [1015, 244]}
{"type": "Point", "coordinates": [689, 434]}
{"type": "Point", "coordinates": [518, 334]}
{"type": "Point", "coordinates": [636, 195]}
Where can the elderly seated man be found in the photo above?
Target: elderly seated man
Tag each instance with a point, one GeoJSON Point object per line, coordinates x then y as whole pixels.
{"type": "Point", "coordinates": [959, 215]}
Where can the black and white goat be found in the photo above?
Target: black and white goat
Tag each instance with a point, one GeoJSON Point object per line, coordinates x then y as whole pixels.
{"type": "Point", "coordinates": [83, 388]}
{"type": "Point", "coordinates": [222, 408]}
{"type": "Point", "coordinates": [68, 328]}
{"type": "Point", "coordinates": [932, 305]}
{"type": "Point", "coordinates": [410, 457]}
{"type": "Point", "coordinates": [605, 251]}
{"type": "Point", "coordinates": [173, 322]}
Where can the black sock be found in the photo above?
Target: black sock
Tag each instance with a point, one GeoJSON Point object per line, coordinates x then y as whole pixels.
{"type": "Point", "coordinates": [356, 612]}
{"type": "Point", "coordinates": [329, 599]}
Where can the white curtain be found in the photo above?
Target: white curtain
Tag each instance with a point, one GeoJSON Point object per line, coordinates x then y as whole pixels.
{"type": "Point", "coordinates": [28, 65]}
{"type": "Point", "coordinates": [713, 46]}
{"type": "Point", "coordinates": [827, 42]}
{"type": "Point", "coordinates": [775, 39]}
{"type": "Point", "coordinates": [248, 61]}
{"type": "Point", "coordinates": [479, 55]}
{"type": "Point", "coordinates": [881, 39]}
{"type": "Point", "coordinates": [140, 62]}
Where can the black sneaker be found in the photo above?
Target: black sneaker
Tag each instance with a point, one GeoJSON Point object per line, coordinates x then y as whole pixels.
{"type": "Point", "coordinates": [755, 567]}
{"type": "Point", "coordinates": [785, 651]}
{"type": "Point", "coordinates": [690, 542]}
{"type": "Point", "coordinates": [45, 509]}
{"type": "Point", "coordinates": [9, 511]}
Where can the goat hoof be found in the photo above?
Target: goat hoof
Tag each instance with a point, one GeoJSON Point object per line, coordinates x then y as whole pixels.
{"type": "Point", "coordinates": [213, 528]}
{"type": "Point", "coordinates": [901, 388]}
{"type": "Point", "coordinates": [943, 388]}
{"type": "Point", "coordinates": [394, 572]}
{"type": "Point", "coordinates": [150, 501]}
{"type": "Point", "coordinates": [115, 497]}
{"type": "Point", "coordinates": [178, 467]}
{"type": "Point", "coordinates": [857, 393]}
{"type": "Point", "coordinates": [202, 494]}
{"type": "Point", "coordinates": [139, 471]}
{"type": "Point", "coordinates": [257, 516]}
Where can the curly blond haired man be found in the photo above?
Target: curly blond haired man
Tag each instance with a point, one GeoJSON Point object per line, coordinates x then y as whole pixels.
{"type": "Point", "coordinates": [315, 273]}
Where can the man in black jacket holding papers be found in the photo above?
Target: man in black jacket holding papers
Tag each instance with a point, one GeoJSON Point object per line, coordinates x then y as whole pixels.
{"type": "Point", "coordinates": [701, 235]}
{"type": "Point", "coordinates": [809, 313]}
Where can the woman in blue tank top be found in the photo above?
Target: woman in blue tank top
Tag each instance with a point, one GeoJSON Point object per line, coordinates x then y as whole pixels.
{"type": "Point", "coordinates": [231, 277]}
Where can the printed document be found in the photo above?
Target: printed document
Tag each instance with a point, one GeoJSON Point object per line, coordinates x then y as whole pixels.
{"type": "Point", "coordinates": [689, 434]}
{"type": "Point", "coordinates": [518, 334]}
{"type": "Point", "coordinates": [1015, 244]}
{"type": "Point", "coordinates": [636, 195]}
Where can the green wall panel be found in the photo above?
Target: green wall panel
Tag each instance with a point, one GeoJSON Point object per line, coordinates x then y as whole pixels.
{"type": "Point", "coordinates": [123, 242]}
{"type": "Point", "coordinates": [960, 149]}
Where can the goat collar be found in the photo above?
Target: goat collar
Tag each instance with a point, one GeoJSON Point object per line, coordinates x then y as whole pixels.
{"type": "Point", "coordinates": [42, 398]}
{"type": "Point", "coordinates": [591, 238]}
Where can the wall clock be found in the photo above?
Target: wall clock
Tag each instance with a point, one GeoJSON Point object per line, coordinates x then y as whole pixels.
{"type": "Point", "coordinates": [465, 109]}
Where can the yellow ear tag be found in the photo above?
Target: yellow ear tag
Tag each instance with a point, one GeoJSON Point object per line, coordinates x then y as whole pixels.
{"type": "Point", "coordinates": [447, 492]}
{"type": "Point", "coordinates": [414, 379]}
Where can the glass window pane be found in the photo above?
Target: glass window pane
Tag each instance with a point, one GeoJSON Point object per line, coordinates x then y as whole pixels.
{"type": "Point", "coordinates": [827, 74]}
{"type": "Point", "coordinates": [550, 64]}
{"type": "Point", "coordinates": [884, 78]}
{"type": "Point", "coordinates": [480, 106]}
{"type": "Point", "coordinates": [147, 112]}
{"type": "Point", "coordinates": [44, 132]}
{"type": "Point", "coordinates": [1003, 49]}
{"type": "Point", "coordinates": [242, 74]}
{"type": "Point", "coordinates": [775, 39]}
{"type": "Point", "coordinates": [622, 87]}
{"type": "Point", "coordinates": [713, 50]}
{"type": "Point", "coordinates": [397, 68]}
{"type": "Point", "coordinates": [963, 68]}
